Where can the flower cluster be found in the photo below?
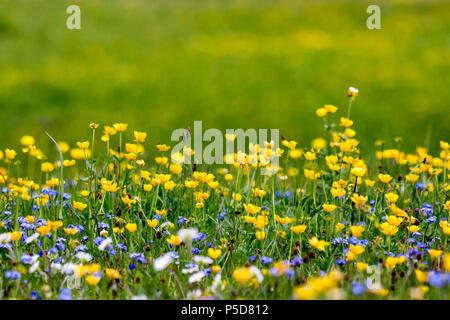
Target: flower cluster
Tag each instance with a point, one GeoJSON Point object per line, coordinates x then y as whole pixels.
{"type": "Point", "coordinates": [111, 222]}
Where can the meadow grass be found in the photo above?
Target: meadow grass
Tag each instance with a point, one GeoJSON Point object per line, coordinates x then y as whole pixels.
{"type": "Point", "coordinates": [104, 220]}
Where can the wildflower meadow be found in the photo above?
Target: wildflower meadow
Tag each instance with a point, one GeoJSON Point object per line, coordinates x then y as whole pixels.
{"type": "Point", "coordinates": [104, 220]}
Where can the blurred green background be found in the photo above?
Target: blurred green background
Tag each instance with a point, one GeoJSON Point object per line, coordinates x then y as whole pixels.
{"type": "Point", "coordinates": [160, 65]}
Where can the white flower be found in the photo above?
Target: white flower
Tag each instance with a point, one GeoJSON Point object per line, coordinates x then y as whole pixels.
{"type": "Point", "coordinates": [162, 262]}
{"type": "Point", "coordinates": [104, 244]}
{"type": "Point", "coordinates": [5, 238]}
{"type": "Point", "coordinates": [196, 277]}
{"type": "Point", "coordinates": [190, 270]}
{"type": "Point", "coordinates": [217, 281]}
{"type": "Point", "coordinates": [187, 235]}
{"type": "Point", "coordinates": [165, 224]}
{"type": "Point", "coordinates": [55, 266]}
{"type": "Point", "coordinates": [254, 270]}
{"type": "Point", "coordinates": [83, 256]}
{"type": "Point", "coordinates": [139, 297]}
{"type": "Point", "coordinates": [68, 268]}
{"type": "Point", "coordinates": [32, 238]}
{"type": "Point", "coordinates": [203, 260]}
{"type": "Point", "coordinates": [34, 267]}
{"type": "Point", "coordinates": [194, 294]}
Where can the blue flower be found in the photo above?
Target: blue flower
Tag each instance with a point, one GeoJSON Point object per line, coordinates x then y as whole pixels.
{"type": "Point", "coordinates": [436, 279]}
{"type": "Point", "coordinates": [358, 288]}
{"type": "Point", "coordinates": [420, 186]}
{"type": "Point", "coordinates": [287, 195]}
{"type": "Point", "coordinates": [65, 294]}
{"type": "Point", "coordinates": [121, 246]}
{"type": "Point", "coordinates": [278, 194]}
{"type": "Point", "coordinates": [431, 219]}
{"type": "Point", "coordinates": [266, 260]}
{"type": "Point", "coordinates": [296, 261]}
{"type": "Point", "coordinates": [199, 236]}
{"type": "Point", "coordinates": [11, 274]}
{"type": "Point", "coordinates": [340, 262]}
{"type": "Point", "coordinates": [181, 220]}
{"type": "Point", "coordinates": [26, 259]}
{"type": "Point", "coordinates": [252, 258]}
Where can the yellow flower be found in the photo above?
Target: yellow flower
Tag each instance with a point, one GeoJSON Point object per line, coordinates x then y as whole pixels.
{"type": "Point", "coordinates": [10, 154]}
{"type": "Point", "coordinates": [54, 224]}
{"type": "Point", "coordinates": [318, 244]}
{"type": "Point", "coordinates": [385, 178]}
{"type": "Point", "coordinates": [176, 168]}
{"type": "Point", "coordinates": [161, 212]}
{"type": "Point", "coordinates": [284, 220]}
{"type": "Point", "coordinates": [337, 192]}
{"type": "Point", "coordinates": [162, 147]}
{"type": "Point", "coordinates": [330, 108]}
{"type": "Point", "coordinates": [84, 193]}
{"type": "Point", "coordinates": [318, 143]}
{"type": "Point", "coordinates": [321, 112]}
{"type": "Point", "coordinates": [328, 207]}
{"type": "Point", "coordinates": [339, 226]}
{"type": "Point", "coordinates": [289, 144]}
{"type": "Point", "coordinates": [79, 205]}
{"type": "Point", "coordinates": [298, 229]}
{"type": "Point", "coordinates": [260, 235]}
{"type": "Point", "coordinates": [388, 229]}
{"type": "Point", "coordinates": [391, 262]}
{"type": "Point", "coordinates": [435, 253]}
{"type": "Point", "coordinates": [148, 187]}
{"type": "Point", "coordinates": [356, 250]}
{"type": "Point", "coordinates": [43, 230]}
{"type": "Point", "coordinates": [237, 197]}
{"type": "Point", "coordinates": [395, 221]}
{"type": "Point", "coordinates": [252, 209]}
{"type": "Point", "coordinates": [140, 136]}
{"type": "Point", "coordinates": [93, 125]}
{"type": "Point", "coordinates": [421, 275]}
{"type": "Point", "coordinates": [91, 280]}
{"type": "Point", "coordinates": [120, 127]}
{"type": "Point", "coordinates": [357, 230]}
{"type": "Point", "coordinates": [169, 185]}
{"type": "Point", "coordinates": [16, 235]}
{"type": "Point", "coordinates": [361, 266]}
{"type": "Point", "coordinates": [358, 200]}
{"type": "Point", "coordinates": [412, 177]}
{"type": "Point", "coordinates": [310, 155]}
{"type": "Point", "coordinates": [413, 228]}
{"type": "Point", "coordinates": [447, 262]}
{"type": "Point", "coordinates": [369, 182]}
{"type": "Point", "coordinates": [112, 273]}
{"type": "Point", "coordinates": [214, 253]}
{"type": "Point", "coordinates": [174, 240]}
{"type": "Point", "coordinates": [391, 197]}
{"type": "Point", "coordinates": [131, 227]}
{"type": "Point", "coordinates": [27, 141]}
{"type": "Point", "coordinates": [83, 145]}
{"type": "Point", "coordinates": [71, 231]}
{"type": "Point", "coordinates": [152, 223]}
{"type": "Point", "coordinates": [347, 123]}
{"type": "Point", "coordinates": [63, 146]}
